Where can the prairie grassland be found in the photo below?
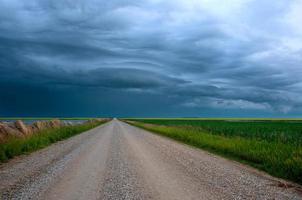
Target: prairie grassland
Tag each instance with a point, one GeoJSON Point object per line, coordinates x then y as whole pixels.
{"type": "Point", "coordinates": [18, 146]}
{"type": "Point", "coordinates": [273, 146]}
{"type": "Point", "coordinates": [44, 118]}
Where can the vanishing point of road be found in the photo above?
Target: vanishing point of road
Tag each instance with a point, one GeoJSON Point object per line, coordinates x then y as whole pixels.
{"type": "Point", "coordinates": [119, 161]}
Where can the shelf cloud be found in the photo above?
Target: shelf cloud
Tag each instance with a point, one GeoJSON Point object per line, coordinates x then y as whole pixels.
{"type": "Point", "coordinates": [150, 58]}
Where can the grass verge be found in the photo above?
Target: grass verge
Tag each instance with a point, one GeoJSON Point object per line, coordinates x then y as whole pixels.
{"type": "Point", "coordinates": [18, 146]}
{"type": "Point", "coordinates": [278, 159]}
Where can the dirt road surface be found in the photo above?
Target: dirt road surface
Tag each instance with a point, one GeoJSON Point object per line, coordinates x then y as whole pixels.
{"type": "Point", "coordinates": [119, 161]}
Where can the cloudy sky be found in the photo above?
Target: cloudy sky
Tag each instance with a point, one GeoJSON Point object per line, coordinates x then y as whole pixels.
{"type": "Point", "coordinates": [208, 58]}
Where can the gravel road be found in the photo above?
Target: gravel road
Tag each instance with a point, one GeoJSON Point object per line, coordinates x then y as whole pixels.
{"type": "Point", "coordinates": [119, 161]}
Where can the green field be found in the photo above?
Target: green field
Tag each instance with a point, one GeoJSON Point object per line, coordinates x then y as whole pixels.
{"type": "Point", "coordinates": [274, 146]}
{"type": "Point", "coordinates": [18, 146]}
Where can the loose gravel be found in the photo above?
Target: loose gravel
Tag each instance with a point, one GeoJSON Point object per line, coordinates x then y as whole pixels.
{"type": "Point", "coordinates": [119, 161]}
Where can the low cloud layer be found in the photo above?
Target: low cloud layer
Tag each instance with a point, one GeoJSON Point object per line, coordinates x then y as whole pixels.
{"type": "Point", "coordinates": [150, 58]}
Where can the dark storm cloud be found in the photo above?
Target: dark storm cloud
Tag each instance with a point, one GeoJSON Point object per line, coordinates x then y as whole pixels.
{"type": "Point", "coordinates": [119, 78]}
{"type": "Point", "coordinates": [185, 57]}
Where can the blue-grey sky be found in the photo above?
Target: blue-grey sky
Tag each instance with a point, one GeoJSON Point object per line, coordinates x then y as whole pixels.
{"type": "Point", "coordinates": [151, 58]}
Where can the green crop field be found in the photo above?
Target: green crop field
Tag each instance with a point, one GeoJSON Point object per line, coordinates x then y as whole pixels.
{"type": "Point", "coordinates": [274, 146]}
{"type": "Point", "coordinates": [282, 131]}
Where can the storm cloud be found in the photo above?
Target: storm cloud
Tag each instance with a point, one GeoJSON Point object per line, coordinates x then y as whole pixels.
{"type": "Point", "coordinates": [150, 58]}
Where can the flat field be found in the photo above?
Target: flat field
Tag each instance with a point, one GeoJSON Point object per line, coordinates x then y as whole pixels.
{"type": "Point", "coordinates": [272, 145]}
